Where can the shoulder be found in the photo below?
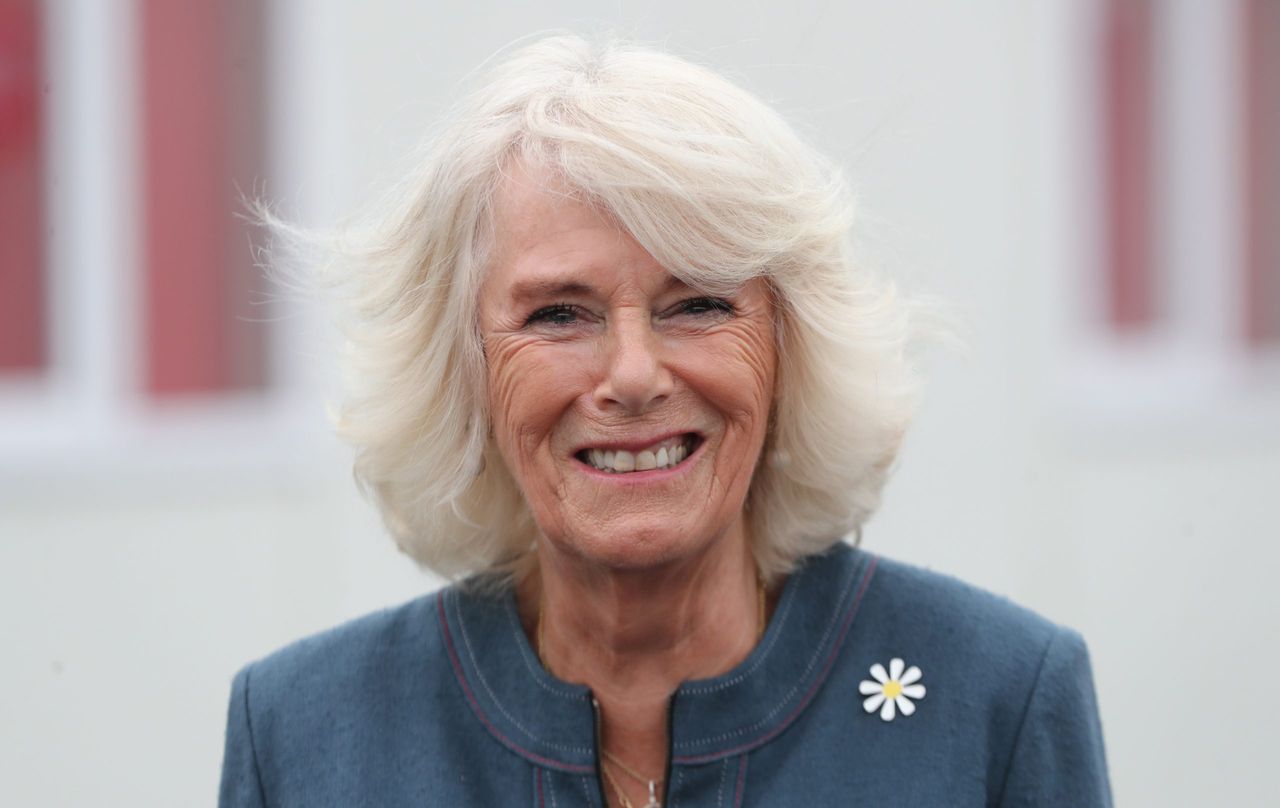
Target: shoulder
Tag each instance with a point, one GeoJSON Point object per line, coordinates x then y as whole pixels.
{"type": "Point", "coordinates": [349, 687]}
{"type": "Point", "coordinates": [367, 713]}
{"type": "Point", "coordinates": [957, 617]}
{"type": "Point", "coordinates": [1016, 684]}
{"type": "Point", "coordinates": [985, 644]}
{"type": "Point", "coordinates": [376, 645]}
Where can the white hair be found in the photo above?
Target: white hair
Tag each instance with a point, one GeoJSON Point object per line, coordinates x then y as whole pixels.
{"type": "Point", "coordinates": [719, 190]}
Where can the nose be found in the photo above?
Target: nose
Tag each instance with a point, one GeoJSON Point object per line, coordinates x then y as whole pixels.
{"type": "Point", "coordinates": [635, 376]}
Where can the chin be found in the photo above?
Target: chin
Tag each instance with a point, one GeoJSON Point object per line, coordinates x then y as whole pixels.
{"type": "Point", "coordinates": [636, 547]}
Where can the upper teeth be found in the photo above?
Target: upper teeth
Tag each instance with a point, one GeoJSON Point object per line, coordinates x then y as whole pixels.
{"type": "Point", "coordinates": [661, 455]}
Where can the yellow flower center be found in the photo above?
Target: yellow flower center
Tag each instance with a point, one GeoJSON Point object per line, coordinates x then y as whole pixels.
{"type": "Point", "coordinates": [892, 689]}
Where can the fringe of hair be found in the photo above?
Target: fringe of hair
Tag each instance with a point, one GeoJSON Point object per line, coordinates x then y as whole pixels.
{"type": "Point", "coordinates": [712, 183]}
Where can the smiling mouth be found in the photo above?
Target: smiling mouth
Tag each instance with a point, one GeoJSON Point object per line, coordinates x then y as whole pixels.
{"type": "Point", "coordinates": [664, 454]}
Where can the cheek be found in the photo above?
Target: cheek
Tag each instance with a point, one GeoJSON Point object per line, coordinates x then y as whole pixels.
{"type": "Point", "coordinates": [530, 387]}
{"type": "Point", "coordinates": [737, 373]}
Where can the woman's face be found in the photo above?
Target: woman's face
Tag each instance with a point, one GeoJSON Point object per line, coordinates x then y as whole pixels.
{"type": "Point", "coordinates": [629, 407]}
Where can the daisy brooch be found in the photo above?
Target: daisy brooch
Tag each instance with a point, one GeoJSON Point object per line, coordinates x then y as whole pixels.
{"type": "Point", "coordinates": [892, 692]}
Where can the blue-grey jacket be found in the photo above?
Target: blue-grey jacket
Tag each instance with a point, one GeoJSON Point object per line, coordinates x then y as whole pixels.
{"type": "Point", "coordinates": [442, 702]}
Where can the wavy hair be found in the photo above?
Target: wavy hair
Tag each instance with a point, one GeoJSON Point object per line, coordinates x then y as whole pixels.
{"type": "Point", "coordinates": [711, 182]}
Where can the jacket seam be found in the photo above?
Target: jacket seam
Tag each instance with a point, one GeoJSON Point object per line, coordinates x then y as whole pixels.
{"type": "Point", "coordinates": [1026, 711]}
{"type": "Point", "coordinates": [804, 677]}
{"type": "Point", "coordinates": [466, 638]}
{"type": "Point", "coordinates": [551, 789]}
{"type": "Point", "coordinates": [524, 657]}
{"type": "Point", "coordinates": [817, 682]}
{"type": "Point", "coordinates": [253, 744]}
{"type": "Point", "coordinates": [764, 654]}
{"type": "Point", "coordinates": [676, 778]}
{"type": "Point", "coordinates": [741, 790]}
{"type": "Point", "coordinates": [461, 677]}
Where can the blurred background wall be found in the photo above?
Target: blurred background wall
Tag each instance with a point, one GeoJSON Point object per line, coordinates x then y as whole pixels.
{"type": "Point", "coordinates": [1094, 185]}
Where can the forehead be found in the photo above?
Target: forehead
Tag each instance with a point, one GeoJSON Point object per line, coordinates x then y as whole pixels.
{"type": "Point", "coordinates": [546, 233]}
{"type": "Point", "coordinates": [534, 210]}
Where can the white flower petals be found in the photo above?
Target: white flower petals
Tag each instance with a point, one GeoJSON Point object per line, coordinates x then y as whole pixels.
{"type": "Point", "coordinates": [887, 710]}
{"type": "Point", "coordinates": [913, 691]}
{"type": "Point", "coordinates": [893, 691]}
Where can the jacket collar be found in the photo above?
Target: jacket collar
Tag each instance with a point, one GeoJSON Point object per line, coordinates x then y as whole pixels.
{"type": "Point", "coordinates": [552, 723]}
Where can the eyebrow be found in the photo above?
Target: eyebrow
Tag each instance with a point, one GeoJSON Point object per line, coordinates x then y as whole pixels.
{"type": "Point", "coordinates": [541, 289]}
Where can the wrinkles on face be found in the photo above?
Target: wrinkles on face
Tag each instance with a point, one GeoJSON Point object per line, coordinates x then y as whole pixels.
{"type": "Point", "coordinates": [589, 341]}
{"type": "Point", "coordinates": [514, 364]}
{"type": "Point", "coordinates": [746, 343]}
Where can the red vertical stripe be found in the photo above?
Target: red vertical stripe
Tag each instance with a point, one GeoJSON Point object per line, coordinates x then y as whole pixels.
{"type": "Point", "coordinates": [1127, 130]}
{"type": "Point", "coordinates": [1261, 36]}
{"type": "Point", "coordinates": [201, 121]}
{"type": "Point", "coordinates": [247, 128]}
{"type": "Point", "coordinates": [23, 339]}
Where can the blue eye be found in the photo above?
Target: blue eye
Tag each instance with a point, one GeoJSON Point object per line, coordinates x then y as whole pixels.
{"type": "Point", "coordinates": [560, 314]}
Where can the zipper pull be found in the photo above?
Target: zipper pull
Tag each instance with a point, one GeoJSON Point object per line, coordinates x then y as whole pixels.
{"type": "Point", "coordinates": [595, 711]}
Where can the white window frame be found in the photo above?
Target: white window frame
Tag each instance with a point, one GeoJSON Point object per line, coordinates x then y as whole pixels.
{"type": "Point", "coordinates": [1193, 366]}
{"type": "Point", "coordinates": [86, 415]}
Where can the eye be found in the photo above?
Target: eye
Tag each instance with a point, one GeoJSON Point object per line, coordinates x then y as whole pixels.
{"type": "Point", "coordinates": [703, 306]}
{"type": "Point", "coordinates": [559, 314]}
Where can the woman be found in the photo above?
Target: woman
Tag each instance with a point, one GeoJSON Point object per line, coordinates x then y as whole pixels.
{"type": "Point", "coordinates": [618, 371]}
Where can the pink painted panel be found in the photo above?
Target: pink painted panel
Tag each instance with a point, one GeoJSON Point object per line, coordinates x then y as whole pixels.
{"type": "Point", "coordinates": [201, 125]}
{"type": "Point", "coordinates": [1261, 180]}
{"type": "Point", "coordinates": [1127, 164]}
{"type": "Point", "coordinates": [23, 306]}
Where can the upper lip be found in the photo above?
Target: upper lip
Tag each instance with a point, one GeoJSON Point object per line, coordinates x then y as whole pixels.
{"type": "Point", "coordinates": [633, 444]}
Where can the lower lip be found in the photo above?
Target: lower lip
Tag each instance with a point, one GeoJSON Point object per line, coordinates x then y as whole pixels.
{"type": "Point", "coordinates": [643, 477]}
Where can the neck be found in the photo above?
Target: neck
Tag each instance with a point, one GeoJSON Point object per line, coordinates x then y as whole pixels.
{"type": "Point", "coordinates": [633, 636]}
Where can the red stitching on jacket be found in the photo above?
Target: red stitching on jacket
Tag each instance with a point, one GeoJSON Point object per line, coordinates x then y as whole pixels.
{"type": "Point", "coordinates": [808, 696]}
{"type": "Point", "coordinates": [475, 705]}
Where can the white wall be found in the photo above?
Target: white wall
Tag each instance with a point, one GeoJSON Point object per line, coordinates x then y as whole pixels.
{"type": "Point", "coordinates": [134, 584]}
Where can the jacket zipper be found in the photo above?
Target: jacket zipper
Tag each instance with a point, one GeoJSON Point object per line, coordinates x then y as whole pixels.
{"type": "Point", "coordinates": [666, 773]}
{"type": "Point", "coordinates": [595, 713]}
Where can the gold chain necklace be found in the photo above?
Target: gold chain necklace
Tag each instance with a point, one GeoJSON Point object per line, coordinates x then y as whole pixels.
{"type": "Point", "coordinates": [623, 801]}
{"type": "Point", "coordinates": [615, 760]}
